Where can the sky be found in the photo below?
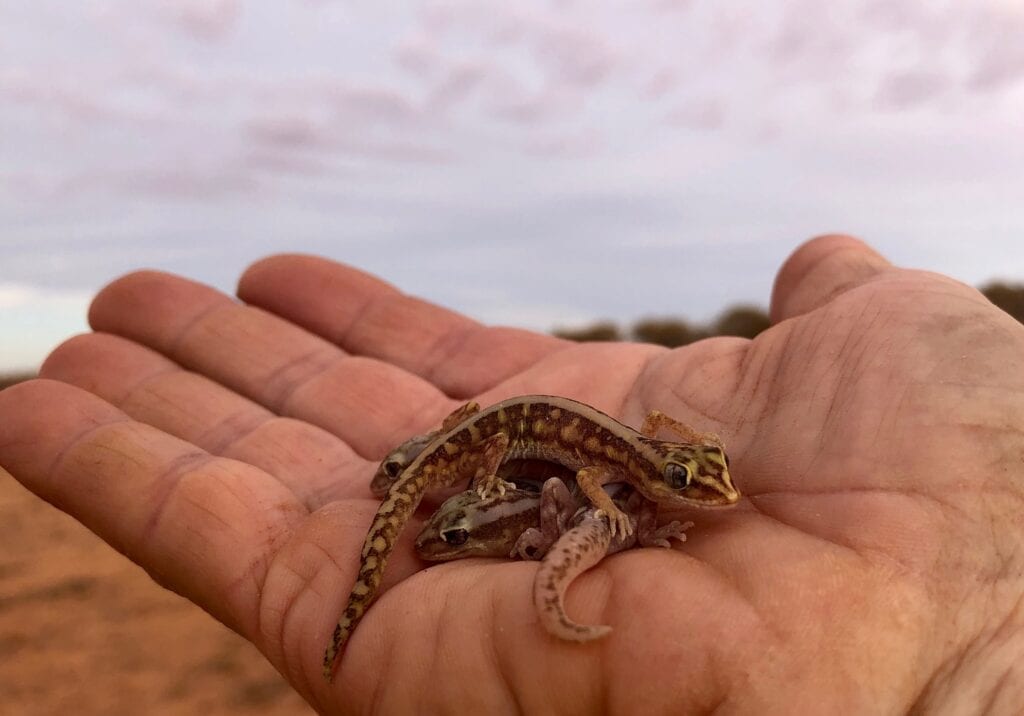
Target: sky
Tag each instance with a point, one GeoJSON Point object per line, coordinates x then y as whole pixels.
{"type": "Point", "coordinates": [537, 164]}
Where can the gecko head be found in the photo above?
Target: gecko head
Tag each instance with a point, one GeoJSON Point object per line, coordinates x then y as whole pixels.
{"type": "Point", "coordinates": [694, 475]}
{"type": "Point", "coordinates": [395, 462]}
{"type": "Point", "coordinates": [446, 534]}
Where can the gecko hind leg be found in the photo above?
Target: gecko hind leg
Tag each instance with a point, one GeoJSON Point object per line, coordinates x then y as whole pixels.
{"type": "Point", "coordinates": [656, 420]}
{"type": "Point", "coordinates": [648, 534]}
{"type": "Point", "coordinates": [459, 414]}
{"type": "Point", "coordinates": [557, 506]}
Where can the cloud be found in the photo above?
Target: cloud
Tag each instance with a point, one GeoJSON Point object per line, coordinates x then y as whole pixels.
{"type": "Point", "coordinates": [457, 85]}
{"type": "Point", "coordinates": [997, 39]}
{"type": "Point", "coordinates": [913, 88]}
{"type": "Point", "coordinates": [370, 103]}
{"type": "Point", "coordinates": [287, 130]}
{"type": "Point", "coordinates": [701, 113]}
{"type": "Point", "coordinates": [573, 58]}
{"type": "Point", "coordinates": [419, 56]}
{"type": "Point", "coordinates": [21, 295]}
{"type": "Point", "coordinates": [206, 20]}
{"type": "Point", "coordinates": [574, 145]}
{"type": "Point", "coordinates": [659, 83]}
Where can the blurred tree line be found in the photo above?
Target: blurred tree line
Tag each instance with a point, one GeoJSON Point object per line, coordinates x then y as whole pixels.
{"type": "Point", "coordinates": [742, 321]}
{"type": "Point", "coordinates": [1008, 297]}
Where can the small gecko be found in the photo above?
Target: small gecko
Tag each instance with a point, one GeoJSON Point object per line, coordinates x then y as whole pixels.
{"type": "Point", "coordinates": [598, 448]}
{"type": "Point", "coordinates": [522, 523]}
{"type": "Point", "coordinates": [516, 524]}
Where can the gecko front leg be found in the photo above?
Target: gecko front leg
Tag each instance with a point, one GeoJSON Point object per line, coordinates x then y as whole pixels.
{"type": "Point", "coordinates": [590, 480]}
{"type": "Point", "coordinates": [492, 453]}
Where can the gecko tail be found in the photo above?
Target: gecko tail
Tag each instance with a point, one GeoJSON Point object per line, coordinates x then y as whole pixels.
{"type": "Point", "coordinates": [575, 552]}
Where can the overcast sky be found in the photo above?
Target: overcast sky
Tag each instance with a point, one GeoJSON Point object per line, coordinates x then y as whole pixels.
{"type": "Point", "coordinates": [528, 163]}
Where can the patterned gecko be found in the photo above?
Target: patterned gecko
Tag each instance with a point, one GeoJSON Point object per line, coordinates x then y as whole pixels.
{"type": "Point", "coordinates": [600, 449]}
{"type": "Point", "coordinates": [516, 524]}
{"type": "Point", "coordinates": [522, 523]}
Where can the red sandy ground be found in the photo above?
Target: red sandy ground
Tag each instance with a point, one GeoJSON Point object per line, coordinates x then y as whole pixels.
{"type": "Point", "coordinates": [85, 631]}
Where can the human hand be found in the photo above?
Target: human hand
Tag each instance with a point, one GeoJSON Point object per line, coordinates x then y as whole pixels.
{"type": "Point", "coordinates": [876, 430]}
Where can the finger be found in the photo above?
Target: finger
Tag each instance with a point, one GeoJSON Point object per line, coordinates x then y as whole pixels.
{"type": "Point", "coordinates": [820, 270]}
{"type": "Point", "coordinates": [366, 316]}
{"type": "Point", "coordinates": [366, 403]}
{"type": "Point", "coordinates": [697, 385]}
{"type": "Point", "coordinates": [314, 464]}
{"type": "Point", "coordinates": [203, 526]}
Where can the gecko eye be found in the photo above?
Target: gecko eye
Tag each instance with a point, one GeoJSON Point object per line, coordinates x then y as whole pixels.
{"type": "Point", "coordinates": [455, 537]}
{"type": "Point", "coordinates": [392, 468]}
{"type": "Point", "coordinates": [677, 476]}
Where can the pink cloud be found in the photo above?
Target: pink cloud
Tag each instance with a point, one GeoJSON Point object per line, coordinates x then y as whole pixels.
{"type": "Point", "coordinates": [205, 19]}
{"type": "Point", "coordinates": [187, 181]}
{"type": "Point", "coordinates": [575, 145]}
{"type": "Point", "coordinates": [184, 179]}
{"type": "Point", "coordinates": [287, 140]}
{"type": "Point", "coordinates": [574, 58]}
{"type": "Point", "coordinates": [418, 56]}
{"type": "Point", "coordinates": [458, 84]}
{"type": "Point", "coordinates": [903, 90]}
{"type": "Point", "coordinates": [998, 43]}
{"type": "Point", "coordinates": [60, 92]}
{"type": "Point", "coordinates": [275, 161]}
{"type": "Point", "coordinates": [659, 83]}
{"type": "Point", "coordinates": [373, 103]}
{"type": "Point", "coordinates": [290, 131]}
{"type": "Point", "coordinates": [527, 108]}
{"type": "Point", "coordinates": [704, 114]}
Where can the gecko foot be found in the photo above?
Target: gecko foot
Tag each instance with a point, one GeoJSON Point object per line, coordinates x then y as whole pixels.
{"type": "Point", "coordinates": [531, 545]}
{"type": "Point", "coordinates": [661, 536]}
{"type": "Point", "coordinates": [487, 486]}
{"type": "Point", "coordinates": [619, 523]}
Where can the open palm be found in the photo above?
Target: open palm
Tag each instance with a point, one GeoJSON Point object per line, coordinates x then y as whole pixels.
{"type": "Point", "coordinates": [876, 430]}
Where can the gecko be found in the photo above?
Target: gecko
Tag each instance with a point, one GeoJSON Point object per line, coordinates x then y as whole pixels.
{"type": "Point", "coordinates": [597, 447]}
{"type": "Point", "coordinates": [522, 523]}
{"type": "Point", "coordinates": [525, 524]}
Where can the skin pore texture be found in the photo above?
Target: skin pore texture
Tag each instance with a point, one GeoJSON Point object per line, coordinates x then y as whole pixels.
{"type": "Point", "coordinates": [875, 564]}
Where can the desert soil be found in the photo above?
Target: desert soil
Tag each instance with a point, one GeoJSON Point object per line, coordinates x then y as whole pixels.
{"type": "Point", "coordinates": [85, 631]}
